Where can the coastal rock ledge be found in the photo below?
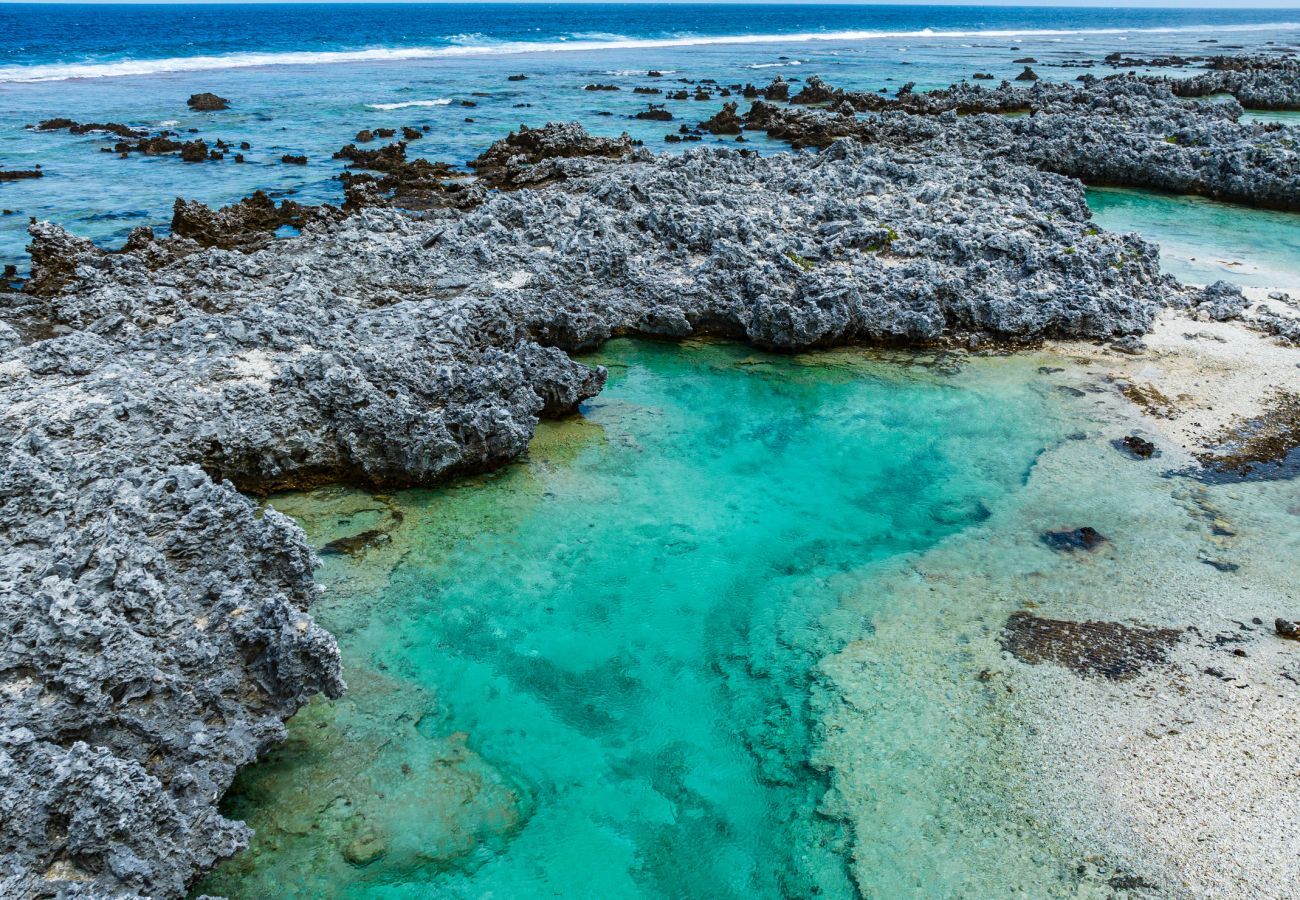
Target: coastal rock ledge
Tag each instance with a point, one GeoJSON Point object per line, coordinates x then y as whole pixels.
{"type": "Point", "coordinates": [154, 624]}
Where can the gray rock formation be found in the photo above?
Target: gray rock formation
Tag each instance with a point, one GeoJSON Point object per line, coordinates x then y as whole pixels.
{"type": "Point", "coordinates": [155, 627]}
{"type": "Point", "coordinates": [1121, 131]}
{"type": "Point", "coordinates": [1257, 82]}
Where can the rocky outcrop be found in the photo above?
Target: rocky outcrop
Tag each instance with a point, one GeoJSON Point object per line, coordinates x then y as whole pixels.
{"type": "Point", "coordinates": [123, 131]}
{"type": "Point", "coordinates": [401, 183]}
{"type": "Point", "coordinates": [247, 225]}
{"type": "Point", "coordinates": [655, 113]}
{"type": "Point", "coordinates": [207, 102]}
{"type": "Point", "coordinates": [1121, 132]}
{"type": "Point", "coordinates": [1257, 82]}
{"type": "Point", "coordinates": [725, 121]}
{"type": "Point", "coordinates": [155, 628]}
{"type": "Point", "coordinates": [513, 161]}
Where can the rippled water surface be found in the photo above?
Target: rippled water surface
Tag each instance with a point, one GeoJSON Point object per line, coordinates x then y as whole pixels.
{"type": "Point", "coordinates": [590, 674]}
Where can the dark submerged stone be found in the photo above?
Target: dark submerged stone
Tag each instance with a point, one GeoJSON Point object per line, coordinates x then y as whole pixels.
{"type": "Point", "coordinates": [1107, 649]}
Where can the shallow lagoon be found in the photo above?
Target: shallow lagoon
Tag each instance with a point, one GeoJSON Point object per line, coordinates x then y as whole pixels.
{"type": "Point", "coordinates": [1202, 241]}
{"type": "Point", "coordinates": [592, 671]}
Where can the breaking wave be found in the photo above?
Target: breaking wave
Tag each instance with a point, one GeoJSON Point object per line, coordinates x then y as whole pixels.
{"type": "Point", "coordinates": [476, 45]}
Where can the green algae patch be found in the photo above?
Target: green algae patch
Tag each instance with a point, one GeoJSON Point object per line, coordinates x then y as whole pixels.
{"type": "Point", "coordinates": [595, 670]}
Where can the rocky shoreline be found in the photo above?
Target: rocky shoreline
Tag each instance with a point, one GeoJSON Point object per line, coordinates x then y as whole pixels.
{"type": "Point", "coordinates": [1120, 132]}
{"type": "Point", "coordinates": [156, 624]}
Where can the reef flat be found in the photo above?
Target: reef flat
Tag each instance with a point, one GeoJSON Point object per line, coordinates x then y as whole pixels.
{"type": "Point", "coordinates": [156, 626]}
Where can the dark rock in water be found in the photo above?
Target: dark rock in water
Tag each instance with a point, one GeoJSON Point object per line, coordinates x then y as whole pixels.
{"type": "Point", "coordinates": [1069, 540]}
{"type": "Point", "coordinates": [1287, 629]}
{"type": "Point", "coordinates": [983, 76]}
{"type": "Point", "coordinates": [293, 159]}
{"type": "Point", "coordinates": [207, 102]}
{"type": "Point", "coordinates": [247, 225]}
{"type": "Point", "coordinates": [405, 183]}
{"type": "Point", "coordinates": [725, 121]}
{"type": "Point", "coordinates": [411, 134]}
{"type": "Point", "coordinates": [646, 90]}
{"type": "Point", "coordinates": [1118, 60]}
{"type": "Point", "coordinates": [365, 136]}
{"type": "Point", "coordinates": [654, 73]}
{"type": "Point", "coordinates": [814, 91]}
{"type": "Point", "coordinates": [1109, 649]}
{"type": "Point", "coordinates": [1025, 60]}
{"type": "Point", "coordinates": [355, 544]}
{"type": "Point", "coordinates": [1136, 447]}
{"type": "Point", "coordinates": [514, 160]}
{"type": "Point", "coordinates": [602, 87]}
{"type": "Point", "coordinates": [1263, 448]}
{"type": "Point", "coordinates": [1027, 75]}
{"type": "Point", "coordinates": [655, 113]}
{"type": "Point", "coordinates": [778, 90]}
{"type": "Point", "coordinates": [123, 131]}
{"type": "Point", "coordinates": [385, 132]}
{"type": "Point", "coordinates": [19, 174]}
{"type": "Point", "coordinates": [194, 151]}
{"type": "Point", "coordinates": [516, 78]}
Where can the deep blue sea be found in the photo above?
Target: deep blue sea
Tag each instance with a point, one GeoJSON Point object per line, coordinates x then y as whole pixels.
{"type": "Point", "coordinates": [304, 78]}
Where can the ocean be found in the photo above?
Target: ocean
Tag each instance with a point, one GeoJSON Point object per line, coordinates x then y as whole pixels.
{"type": "Point", "coordinates": [304, 78]}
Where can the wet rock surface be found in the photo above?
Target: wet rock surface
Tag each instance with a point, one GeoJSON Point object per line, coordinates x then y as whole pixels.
{"type": "Point", "coordinates": [1262, 448]}
{"type": "Point", "coordinates": [1137, 447]}
{"type": "Point", "coordinates": [207, 102]}
{"type": "Point", "coordinates": [156, 628]}
{"type": "Point", "coordinates": [1071, 539]}
{"type": "Point", "coordinates": [1106, 649]}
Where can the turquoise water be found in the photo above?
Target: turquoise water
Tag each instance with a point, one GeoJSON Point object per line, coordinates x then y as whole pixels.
{"type": "Point", "coordinates": [1266, 116]}
{"type": "Point", "coordinates": [1202, 241]}
{"type": "Point", "coordinates": [589, 674]}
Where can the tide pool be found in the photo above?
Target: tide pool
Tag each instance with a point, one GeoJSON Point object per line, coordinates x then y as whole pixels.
{"type": "Point", "coordinates": [589, 674]}
{"type": "Point", "coordinates": [1202, 241]}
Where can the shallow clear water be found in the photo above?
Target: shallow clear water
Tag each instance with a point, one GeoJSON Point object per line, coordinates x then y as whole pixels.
{"type": "Point", "coordinates": [589, 674]}
{"type": "Point", "coordinates": [1202, 241]}
{"type": "Point", "coordinates": [1266, 116]}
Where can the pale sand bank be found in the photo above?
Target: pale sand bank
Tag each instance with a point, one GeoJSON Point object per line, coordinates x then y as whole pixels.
{"type": "Point", "coordinates": [1180, 782]}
